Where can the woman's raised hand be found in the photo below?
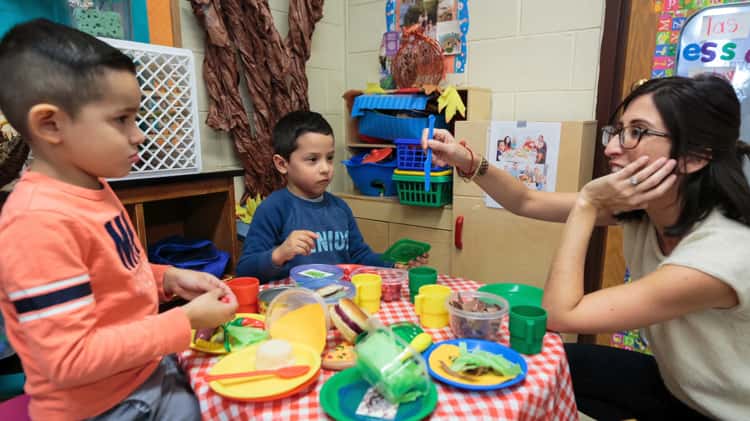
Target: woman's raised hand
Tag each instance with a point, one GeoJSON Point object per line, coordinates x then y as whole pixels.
{"type": "Point", "coordinates": [446, 151]}
{"type": "Point", "coordinates": [632, 187]}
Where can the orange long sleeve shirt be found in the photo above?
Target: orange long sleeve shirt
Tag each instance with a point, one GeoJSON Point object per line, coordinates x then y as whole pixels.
{"type": "Point", "coordinates": [80, 299]}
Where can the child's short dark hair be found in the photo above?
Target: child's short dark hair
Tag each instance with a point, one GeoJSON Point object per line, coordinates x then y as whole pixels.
{"type": "Point", "coordinates": [45, 62]}
{"type": "Point", "coordinates": [294, 125]}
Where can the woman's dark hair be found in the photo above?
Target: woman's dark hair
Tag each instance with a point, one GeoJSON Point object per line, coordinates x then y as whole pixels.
{"type": "Point", "coordinates": [702, 116]}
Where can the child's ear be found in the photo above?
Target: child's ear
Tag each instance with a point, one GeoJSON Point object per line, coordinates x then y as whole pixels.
{"type": "Point", "coordinates": [281, 164]}
{"type": "Point", "coordinates": [45, 123]}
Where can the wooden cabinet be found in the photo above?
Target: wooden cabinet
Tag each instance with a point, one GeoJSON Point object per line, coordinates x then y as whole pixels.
{"type": "Point", "coordinates": [383, 221]}
{"type": "Point", "coordinates": [499, 246]}
{"type": "Point", "coordinates": [196, 206]}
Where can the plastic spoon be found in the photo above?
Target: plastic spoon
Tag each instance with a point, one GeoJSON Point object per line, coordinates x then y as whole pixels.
{"type": "Point", "coordinates": [419, 344]}
{"type": "Point", "coordinates": [288, 372]}
{"type": "Point", "coordinates": [428, 160]}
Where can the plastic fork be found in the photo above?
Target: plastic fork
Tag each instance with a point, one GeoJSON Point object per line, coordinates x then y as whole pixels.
{"type": "Point", "coordinates": [428, 160]}
{"type": "Point", "coordinates": [288, 372]}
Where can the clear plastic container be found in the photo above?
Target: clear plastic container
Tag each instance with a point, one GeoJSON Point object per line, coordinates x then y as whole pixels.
{"type": "Point", "coordinates": [267, 295]}
{"type": "Point", "coordinates": [393, 281]}
{"type": "Point", "coordinates": [396, 370]}
{"type": "Point", "coordinates": [305, 275]}
{"type": "Point", "coordinates": [298, 315]}
{"type": "Point", "coordinates": [466, 323]}
{"type": "Point", "coordinates": [343, 289]}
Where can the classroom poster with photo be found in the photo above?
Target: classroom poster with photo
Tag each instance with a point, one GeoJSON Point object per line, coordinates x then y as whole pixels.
{"type": "Point", "coordinates": [527, 150]}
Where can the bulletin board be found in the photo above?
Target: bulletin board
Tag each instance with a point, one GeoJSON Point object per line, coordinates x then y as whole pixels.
{"type": "Point", "coordinates": [717, 40]}
{"type": "Point", "coordinates": [446, 21]}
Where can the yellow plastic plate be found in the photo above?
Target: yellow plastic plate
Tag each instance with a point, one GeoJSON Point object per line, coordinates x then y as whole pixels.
{"type": "Point", "coordinates": [447, 351]}
{"type": "Point", "coordinates": [258, 388]}
{"type": "Point", "coordinates": [216, 347]}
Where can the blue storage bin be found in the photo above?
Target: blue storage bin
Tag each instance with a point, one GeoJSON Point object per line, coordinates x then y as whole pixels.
{"type": "Point", "coordinates": [388, 102]}
{"type": "Point", "coordinates": [410, 155]}
{"type": "Point", "coordinates": [386, 126]}
{"type": "Point", "coordinates": [372, 179]}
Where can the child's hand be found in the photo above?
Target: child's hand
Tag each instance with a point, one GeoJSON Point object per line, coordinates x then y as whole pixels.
{"type": "Point", "coordinates": [418, 261]}
{"type": "Point", "coordinates": [189, 284]}
{"type": "Point", "coordinates": [299, 242]}
{"type": "Point", "coordinates": [210, 310]}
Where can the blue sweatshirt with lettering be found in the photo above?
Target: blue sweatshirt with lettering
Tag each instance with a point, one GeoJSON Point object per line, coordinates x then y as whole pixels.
{"type": "Point", "coordinates": [339, 239]}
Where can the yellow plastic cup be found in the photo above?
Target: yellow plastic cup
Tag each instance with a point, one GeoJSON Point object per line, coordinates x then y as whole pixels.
{"type": "Point", "coordinates": [431, 305]}
{"type": "Point", "coordinates": [368, 291]}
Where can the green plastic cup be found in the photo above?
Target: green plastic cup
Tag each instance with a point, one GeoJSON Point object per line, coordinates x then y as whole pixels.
{"type": "Point", "coordinates": [527, 325]}
{"type": "Point", "coordinates": [419, 277]}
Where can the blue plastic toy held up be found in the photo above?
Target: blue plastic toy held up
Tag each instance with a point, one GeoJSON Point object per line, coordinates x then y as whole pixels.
{"type": "Point", "coordinates": [428, 160]}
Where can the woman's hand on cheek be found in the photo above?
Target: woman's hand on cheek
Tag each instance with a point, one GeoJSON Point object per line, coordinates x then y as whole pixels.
{"type": "Point", "coordinates": [632, 187]}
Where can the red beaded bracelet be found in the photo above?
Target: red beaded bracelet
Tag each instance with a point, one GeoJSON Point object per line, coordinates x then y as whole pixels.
{"type": "Point", "coordinates": [470, 173]}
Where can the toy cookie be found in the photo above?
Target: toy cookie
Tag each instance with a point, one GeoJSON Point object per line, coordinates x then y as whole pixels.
{"type": "Point", "coordinates": [340, 357]}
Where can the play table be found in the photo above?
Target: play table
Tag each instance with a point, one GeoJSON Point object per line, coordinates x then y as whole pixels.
{"type": "Point", "coordinates": [546, 394]}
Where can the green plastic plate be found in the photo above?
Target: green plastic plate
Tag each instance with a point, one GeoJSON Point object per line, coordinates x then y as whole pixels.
{"type": "Point", "coordinates": [516, 294]}
{"type": "Point", "coordinates": [342, 393]}
{"type": "Point", "coordinates": [405, 250]}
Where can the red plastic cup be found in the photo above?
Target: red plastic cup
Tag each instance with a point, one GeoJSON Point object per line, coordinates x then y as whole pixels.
{"type": "Point", "coordinates": [246, 290]}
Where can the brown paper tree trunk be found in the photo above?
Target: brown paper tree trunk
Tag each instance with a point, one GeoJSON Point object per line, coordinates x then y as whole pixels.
{"type": "Point", "coordinates": [241, 39]}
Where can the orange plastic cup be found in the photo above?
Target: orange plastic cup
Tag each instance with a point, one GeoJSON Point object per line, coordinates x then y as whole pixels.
{"type": "Point", "coordinates": [246, 289]}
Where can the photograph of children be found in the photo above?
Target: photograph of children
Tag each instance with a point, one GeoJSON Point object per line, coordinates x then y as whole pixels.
{"type": "Point", "coordinates": [446, 10]}
{"type": "Point", "coordinates": [422, 12]}
{"type": "Point", "coordinates": [503, 145]}
{"type": "Point", "coordinates": [449, 37]}
{"type": "Point", "coordinates": [527, 153]}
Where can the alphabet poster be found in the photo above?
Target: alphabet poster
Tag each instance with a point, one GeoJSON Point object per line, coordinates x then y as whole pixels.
{"type": "Point", "coordinates": [527, 150]}
{"type": "Point", "coordinates": [717, 40]}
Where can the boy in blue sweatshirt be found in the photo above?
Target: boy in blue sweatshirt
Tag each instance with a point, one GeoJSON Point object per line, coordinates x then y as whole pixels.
{"type": "Point", "coordinates": [303, 223]}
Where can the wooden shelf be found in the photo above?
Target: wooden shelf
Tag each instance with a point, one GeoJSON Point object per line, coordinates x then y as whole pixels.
{"type": "Point", "coordinates": [196, 207]}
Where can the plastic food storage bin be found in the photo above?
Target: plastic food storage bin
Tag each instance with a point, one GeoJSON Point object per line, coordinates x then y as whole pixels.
{"type": "Point", "coordinates": [477, 324]}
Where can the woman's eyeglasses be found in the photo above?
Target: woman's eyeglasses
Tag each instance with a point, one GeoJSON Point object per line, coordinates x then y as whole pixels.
{"type": "Point", "coordinates": [629, 136]}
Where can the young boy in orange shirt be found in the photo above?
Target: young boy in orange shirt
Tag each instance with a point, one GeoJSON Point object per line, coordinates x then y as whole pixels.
{"type": "Point", "coordinates": [79, 297]}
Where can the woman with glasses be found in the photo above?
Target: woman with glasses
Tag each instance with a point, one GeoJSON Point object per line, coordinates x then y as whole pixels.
{"type": "Point", "coordinates": [678, 189]}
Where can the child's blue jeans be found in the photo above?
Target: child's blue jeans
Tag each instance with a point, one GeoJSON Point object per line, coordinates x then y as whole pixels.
{"type": "Point", "coordinates": [166, 395]}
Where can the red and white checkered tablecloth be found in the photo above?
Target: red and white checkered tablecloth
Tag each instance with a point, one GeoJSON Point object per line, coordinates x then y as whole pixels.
{"type": "Point", "coordinates": [546, 394]}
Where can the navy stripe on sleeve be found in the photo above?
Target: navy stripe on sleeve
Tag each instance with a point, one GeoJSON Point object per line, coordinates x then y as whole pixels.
{"type": "Point", "coordinates": [40, 302]}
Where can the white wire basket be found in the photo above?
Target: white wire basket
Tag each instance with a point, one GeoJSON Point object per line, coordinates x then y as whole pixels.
{"type": "Point", "coordinates": [169, 111]}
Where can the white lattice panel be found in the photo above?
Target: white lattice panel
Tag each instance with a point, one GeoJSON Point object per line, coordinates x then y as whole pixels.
{"type": "Point", "coordinates": [169, 111]}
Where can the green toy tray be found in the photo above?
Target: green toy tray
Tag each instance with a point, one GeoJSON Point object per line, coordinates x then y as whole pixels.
{"type": "Point", "coordinates": [516, 294]}
{"type": "Point", "coordinates": [405, 250]}
{"type": "Point", "coordinates": [342, 393]}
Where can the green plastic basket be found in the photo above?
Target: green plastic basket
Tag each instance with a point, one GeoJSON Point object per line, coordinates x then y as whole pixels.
{"type": "Point", "coordinates": [411, 190]}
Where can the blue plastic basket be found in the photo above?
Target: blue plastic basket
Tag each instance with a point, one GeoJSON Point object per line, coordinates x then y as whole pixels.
{"type": "Point", "coordinates": [372, 179]}
{"type": "Point", "coordinates": [386, 126]}
{"type": "Point", "coordinates": [411, 156]}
